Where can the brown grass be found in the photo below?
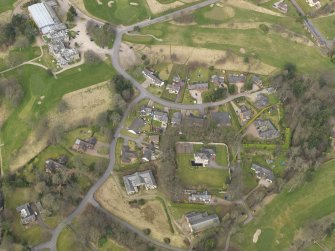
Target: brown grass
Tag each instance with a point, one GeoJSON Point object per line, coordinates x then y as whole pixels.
{"type": "Point", "coordinates": [151, 215]}
{"type": "Point", "coordinates": [185, 54]}
{"type": "Point", "coordinates": [83, 104]}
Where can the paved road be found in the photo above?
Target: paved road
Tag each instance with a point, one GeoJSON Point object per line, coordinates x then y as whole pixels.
{"type": "Point", "coordinates": [52, 244]}
{"type": "Point", "coordinates": [328, 43]}
{"type": "Point", "coordinates": [89, 197]}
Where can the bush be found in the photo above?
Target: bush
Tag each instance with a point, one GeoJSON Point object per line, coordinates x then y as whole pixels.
{"type": "Point", "coordinates": [264, 28]}
{"type": "Point", "coordinates": [91, 57]}
{"type": "Point", "coordinates": [147, 231]}
{"type": "Point", "coordinates": [214, 95]}
{"type": "Point", "coordinates": [167, 240]}
{"type": "Point", "coordinates": [123, 87]}
{"type": "Point", "coordinates": [102, 35]}
{"type": "Point", "coordinates": [231, 89]}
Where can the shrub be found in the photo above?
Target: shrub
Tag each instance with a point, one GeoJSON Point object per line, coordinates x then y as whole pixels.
{"type": "Point", "coordinates": [264, 28]}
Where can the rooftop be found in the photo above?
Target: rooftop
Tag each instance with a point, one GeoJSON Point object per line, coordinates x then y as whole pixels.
{"type": "Point", "coordinates": [133, 181]}
{"type": "Point", "coordinates": [201, 221]}
{"type": "Point", "coordinates": [221, 118]}
{"type": "Point", "coordinates": [263, 173]}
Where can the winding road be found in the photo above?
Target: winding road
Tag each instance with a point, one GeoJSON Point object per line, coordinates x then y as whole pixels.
{"type": "Point", "coordinates": [143, 93]}
{"type": "Point", "coordinates": [89, 197]}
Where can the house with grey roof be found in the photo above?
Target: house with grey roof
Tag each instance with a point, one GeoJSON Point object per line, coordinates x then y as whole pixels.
{"type": "Point", "coordinates": [218, 80]}
{"type": "Point", "coordinates": [198, 87]}
{"type": "Point", "coordinates": [192, 120]}
{"type": "Point", "coordinates": [200, 197]}
{"type": "Point", "coordinates": [198, 222]}
{"type": "Point", "coordinates": [27, 214]}
{"type": "Point", "coordinates": [263, 173]}
{"type": "Point", "coordinates": [245, 113]}
{"type": "Point", "coordinates": [221, 118]}
{"type": "Point", "coordinates": [153, 79]}
{"type": "Point", "coordinates": [261, 100]}
{"type": "Point", "coordinates": [176, 118]}
{"type": "Point", "coordinates": [136, 126]}
{"type": "Point", "coordinates": [204, 156]}
{"type": "Point", "coordinates": [127, 155]}
{"type": "Point", "coordinates": [265, 129]}
{"type": "Point", "coordinates": [139, 179]}
{"type": "Point", "coordinates": [236, 78]}
{"type": "Point", "coordinates": [82, 145]}
{"type": "Point", "coordinates": [53, 165]}
{"type": "Point", "coordinates": [146, 111]}
{"type": "Point", "coordinates": [160, 116]}
{"type": "Point", "coordinates": [257, 81]}
{"type": "Point", "coordinates": [173, 88]}
{"type": "Point", "coordinates": [281, 6]}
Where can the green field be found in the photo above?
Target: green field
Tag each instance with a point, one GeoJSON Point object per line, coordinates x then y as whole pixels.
{"type": "Point", "coordinates": [289, 211]}
{"type": "Point", "coordinates": [6, 5]}
{"type": "Point", "coordinates": [17, 56]}
{"type": "Point", "coordinates": [37, 82]}
{"type": "Point", "coordinates": [67, 240]}
{"type": "Point", "coordinates": [272, 48]}
{"type": "Point", "coordinates": [121, 12]}
{"type": "Point", "coordinates": [221, 155]}
{"type": "Point", "coordinates": [326, 25]}
{"type": "Point", "coordinates": [201, 177]}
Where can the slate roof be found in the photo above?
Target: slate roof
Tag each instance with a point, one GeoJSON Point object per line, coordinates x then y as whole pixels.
{"type": "Point", "coordinates": [152, 77]}
{"type": "Point", "coordinates": [198, 86]}
{"type": "Point", "coordinates": [203, 197]}
{"type": "Point", "coordinates": [201, 221]}
{"type": "Point", "coordinates": [193, 120]}
{"type": "Point", "coordinates": [127, 155]}
{"type": "Point", "coordinates": [133, 181]}
{"type": "Point", "coordinates": [263, 173]}
{"type": "Point", "coordinates": [160, 116]}
{"type": "Point", "coordinates": [266, 129]}
{"type": "Point", "coordinates": [26, 213]}
{"type": "Point", "coordinates": [236, 78]}
{"type": "Point", "coordinates": [136, 126]}
{"type": "Point", "coordinates": [221, 118]}
{"type": "Point", "coordinates": [261, 100]}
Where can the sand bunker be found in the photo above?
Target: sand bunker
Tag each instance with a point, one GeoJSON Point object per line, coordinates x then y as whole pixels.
{"type": "Point", "coordinates": [256, 235]}
{"type": "Point", "coordinates": [156, 7]}
{"type": "Point", "coordinates": [110, 3]}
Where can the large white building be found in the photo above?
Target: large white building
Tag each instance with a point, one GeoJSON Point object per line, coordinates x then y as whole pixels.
{"type": "Point", "coordinates": [45, 18]}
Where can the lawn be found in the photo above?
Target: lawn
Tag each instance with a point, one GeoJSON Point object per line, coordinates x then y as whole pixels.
{"type": "Point", "coordinates": [178, 210]}
{"type": "Point", "coordinates": [271, 48]}
{"type": "Point", "coordinates": [6, 5]}
{"type": "Point", "coordinates": [120, 12]}
{"type": "Point", "coordinates": [326, 25]}
{"type": "Point", "coordinates": [201, 177]}
{"type": "Point", "coordinates": [17, 56]}
{"type": "Point", "coordinates": [201, 74]}
{"type": "Point", "coordinates": [221, 155]}
{"type": "Point", "coordinates": [67, 240]}
{"type": "Point", "coordinates": [37, 82]}
{"type": "Point", "coordinates": [289, 211]}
